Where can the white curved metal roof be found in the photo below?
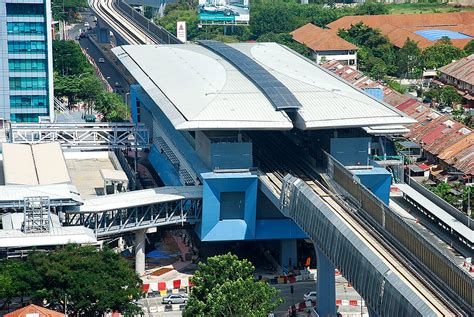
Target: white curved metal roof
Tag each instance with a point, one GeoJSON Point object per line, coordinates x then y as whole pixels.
{"type": "Point", "coordinates": [199, 90]}
{"type": "Point", "coordinates": [328, 101]}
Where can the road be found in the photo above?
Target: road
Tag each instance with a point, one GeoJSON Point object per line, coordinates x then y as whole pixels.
{"type": "Point", "coordinates": [109, 71]}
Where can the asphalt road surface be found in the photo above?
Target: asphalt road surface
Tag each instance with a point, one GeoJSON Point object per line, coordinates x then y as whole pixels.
{"type": "Point", "coordinates": [108, 70]}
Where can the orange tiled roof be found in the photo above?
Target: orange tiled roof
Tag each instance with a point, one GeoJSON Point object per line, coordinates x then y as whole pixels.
{"type": "Point", "coordinates": [319, 39]}
{"type": "Point", "coordinates": [451, 141]}
{"type": "Point", "coordinates": [399, 27]}
{"type": "Point", "coordinates": [31, 309]}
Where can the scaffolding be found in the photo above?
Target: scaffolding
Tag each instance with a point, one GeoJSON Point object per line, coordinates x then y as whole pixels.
{"type": "Point", "coordinates": [37, 215]}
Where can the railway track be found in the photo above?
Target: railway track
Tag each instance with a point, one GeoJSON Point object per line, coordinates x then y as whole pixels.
{"type": "Point", "coordinates": [107, 11]}
{"type": "Point", "coordinates": [278, 156]}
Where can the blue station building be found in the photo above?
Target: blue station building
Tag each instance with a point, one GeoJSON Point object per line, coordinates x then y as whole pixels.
{"type": "Point", "coordinates": [236, 118]}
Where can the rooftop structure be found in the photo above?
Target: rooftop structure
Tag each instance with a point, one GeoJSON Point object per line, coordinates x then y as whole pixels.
{"type": "Point", "coordinates": [460, 74]}
{"type": "Point", "coordinates": [326, 45]}
{"type": "Point", "coordinates": [34, 311]}
{"type": "Point", "coordinates": [219, 95]}
{"type": "Point", "coordinates": [425, 29]}
{"type": "Point", "coordinates": [38, 164]}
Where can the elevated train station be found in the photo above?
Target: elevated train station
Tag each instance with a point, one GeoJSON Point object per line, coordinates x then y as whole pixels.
{"type": "Point", "coordinates": [237, 118]}
{"type": "Point", "coordinates": [253, 142]}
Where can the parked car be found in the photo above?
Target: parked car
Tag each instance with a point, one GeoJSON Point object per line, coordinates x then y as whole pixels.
{"type": "Point", "coordinates": [310, 296]}
{"type": "Point", "coordinates": [174, 299]}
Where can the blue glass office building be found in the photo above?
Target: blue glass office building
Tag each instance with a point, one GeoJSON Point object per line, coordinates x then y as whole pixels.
{"type": "Point", "coordinates": [26, 76]}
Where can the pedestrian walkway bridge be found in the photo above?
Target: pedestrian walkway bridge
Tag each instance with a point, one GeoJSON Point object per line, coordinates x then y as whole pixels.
{"type": "Point", "coordinates": [141, 209]}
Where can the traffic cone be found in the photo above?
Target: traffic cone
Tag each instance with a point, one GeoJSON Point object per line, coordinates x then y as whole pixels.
{"type": "Point", "coordinates": [417, 220]}
{"type": "Point", "coordinates": [471, 269]}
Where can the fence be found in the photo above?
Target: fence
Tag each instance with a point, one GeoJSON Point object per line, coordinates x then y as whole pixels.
{"type": "Point", "coordinates": [458, 215]}
{"type": "Point", "coordinates": [443, 270]}
{"type": "Point", "coordinates": [158, 32]}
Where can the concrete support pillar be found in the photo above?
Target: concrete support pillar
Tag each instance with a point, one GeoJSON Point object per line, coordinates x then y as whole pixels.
{"type": "Point", "coordinates": [103, 35]}
{"type": "Point", "coordinates": [140, 251]}
{"type": "Point", "coordinates": [325, 286]}
{"type": "Point", "coordinates": [288, 255]}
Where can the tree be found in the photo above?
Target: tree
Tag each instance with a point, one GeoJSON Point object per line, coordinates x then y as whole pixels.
{"type": "Point", "coordinates": [90, 87]}
{"type": "Point", "coordinates": [469, 48]}
{"type": "Point", "coordinates": [445, 40]}
{"type": "Point", "coordinates": [409, 60]}
{"type": "Point", "coordinates": [93, 282]}
{"type": "Point", "coordinates": [17, 277]}
{"type": "Point", "coordinates": [68, 59]}
{"type": "Point", "coordinates": [449, 95]}
{"type": "Point", "coordinates": [378, 68]}
{"type": "Point", "coordinates": [112, 107]}
{"type": "Point", "coordinates": [375, 50]}
{"type": "Point", "coordinates": [371, 8]}
{"type": "Point", "coordinates": [439, 55]}
{"type": "Point", "coordinates": [224, 286]}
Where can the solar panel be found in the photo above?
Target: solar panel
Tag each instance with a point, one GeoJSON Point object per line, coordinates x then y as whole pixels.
{"type": "Point", "coordinates": [278, 94]}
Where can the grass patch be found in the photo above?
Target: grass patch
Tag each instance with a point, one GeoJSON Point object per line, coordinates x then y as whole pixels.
{"type": "Point", "coordinates": [410, 8]}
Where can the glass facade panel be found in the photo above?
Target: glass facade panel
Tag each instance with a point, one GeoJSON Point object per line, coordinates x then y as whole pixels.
{"type": "Point", "coordinates": [28, 102]}
{"type": "Point", "coordinates": [27, 65]}
{"type": "Point", "coordinates": [26, 117]}
{"type": "Point", "coordinates": [25, 9]}
{"type": "Point", "coordinates": [28, 83]}
{"type": "Point", "coordinates": [26, 47]}
{"type": "Point", "coordinates": [25, 28]}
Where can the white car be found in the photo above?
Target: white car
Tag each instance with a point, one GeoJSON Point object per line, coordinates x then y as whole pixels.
{"type": "Point", "coordinates": [101, 60]}
{"type": "Point", "coordinates": [86, 24]}
{"type": "Point", "coordinates": [310, 296]}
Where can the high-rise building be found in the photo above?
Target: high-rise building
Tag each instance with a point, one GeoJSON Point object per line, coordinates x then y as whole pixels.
{"type": "Point", "coordinates": [26, 64]}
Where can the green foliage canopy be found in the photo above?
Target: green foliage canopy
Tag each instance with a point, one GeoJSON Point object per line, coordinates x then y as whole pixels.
{"type": "Point", "coordinates": [68, 59]}
{"type": "Point", "coordinates": [93, 282]}
{"type": "Point", "coordinates": [469, 48]}
{"type": "Point", "coordinates": [440, 54]}
{"type": "Point", "coordinates": [224, 286]}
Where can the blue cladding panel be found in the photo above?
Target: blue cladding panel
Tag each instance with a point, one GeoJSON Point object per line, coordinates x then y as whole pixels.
{"type": "Point", "coordinates": [377, 180]}
{"type": "Point", "coordinates": [163, 168]}
{"type": "Point", "coordinates": [350, 151]}
{"type": "Point", "coordinates": [212, 227]}
{"type": "Point", "coordinates": [231, 155]}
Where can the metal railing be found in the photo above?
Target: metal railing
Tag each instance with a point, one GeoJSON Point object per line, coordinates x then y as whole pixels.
{"type": "Point", "coordinates": [114, 222]}
{"type": "Point", "coordinates": [82, 135]}
{"type": "Point", "coordinates": [442, 269]}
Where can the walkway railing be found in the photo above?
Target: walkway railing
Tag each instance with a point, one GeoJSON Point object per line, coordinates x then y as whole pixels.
{"type": "Point", "coordinates": [125, 220]}
{"type": "Point", "coordinates": [82, 135]}
{"type": "Point", "coordinates": [443, 270]}
{"type": "Point", "coordinates": [157, 32]}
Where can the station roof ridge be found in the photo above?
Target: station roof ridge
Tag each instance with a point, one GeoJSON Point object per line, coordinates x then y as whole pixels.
{"type": "Point", "coordinates": [218, 96]}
